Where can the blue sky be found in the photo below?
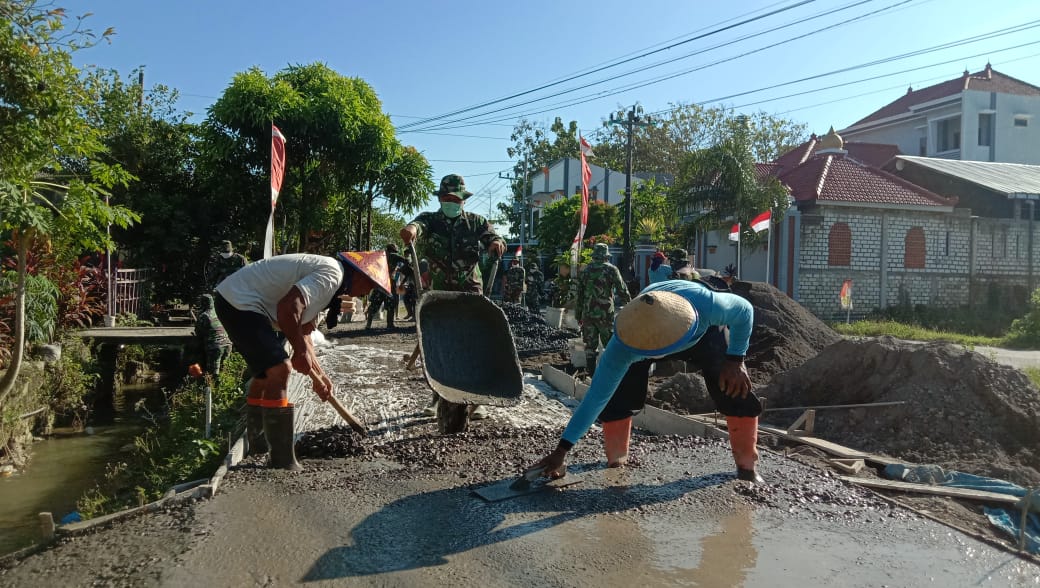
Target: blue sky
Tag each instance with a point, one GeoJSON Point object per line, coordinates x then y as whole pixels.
{"type": "Point", "coordinates": [426, 59]}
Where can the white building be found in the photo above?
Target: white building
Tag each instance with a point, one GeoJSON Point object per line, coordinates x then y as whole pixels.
{"type": "Point", "coordinates": [986, 116]}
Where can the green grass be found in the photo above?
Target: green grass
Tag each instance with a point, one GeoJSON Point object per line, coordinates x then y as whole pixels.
{"type": "Point", "coordinates": [1034, 375]}
{"type": "Point", "coordinates": [911, 332]}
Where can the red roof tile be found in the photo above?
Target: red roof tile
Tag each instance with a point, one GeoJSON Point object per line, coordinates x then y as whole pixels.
{"type": "Point", "coordinates": [836, 178]}
{"type": "Point", "coordinates": [987, 80]}
{"type": "Point", "coordinates": [871, 154]}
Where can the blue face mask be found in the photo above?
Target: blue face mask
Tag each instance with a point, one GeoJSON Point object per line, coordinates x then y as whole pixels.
{"type": "Point", "coordinates": [451, 209]}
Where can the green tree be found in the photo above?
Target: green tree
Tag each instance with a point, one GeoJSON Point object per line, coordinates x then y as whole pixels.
{"type": "Point", "coordinates": [534, 149]}
{"type": "Point", "coordinates": [405, 184]}
{"type": "Point", "coordinates": [721, 186]}
{"type": "Point", "coordinates": [662, 146]}
{"type": "Point", "coordinates": [559, 223]}
{"type": "Point", "coordinates": [337, 137]}
{"type": "Point", "coordinates": [41, 99]}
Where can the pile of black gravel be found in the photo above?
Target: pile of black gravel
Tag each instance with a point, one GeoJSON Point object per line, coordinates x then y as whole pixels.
{"type": "Point", "coordinates": [334, 441]}
{"type": "Point", "coordinates": [531, 334]}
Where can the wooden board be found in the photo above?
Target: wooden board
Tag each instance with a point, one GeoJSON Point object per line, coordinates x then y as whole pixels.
{"type": "Point", "coordinates": [933, 490]}
{"type": "Point", "coordinates": [821, 444]}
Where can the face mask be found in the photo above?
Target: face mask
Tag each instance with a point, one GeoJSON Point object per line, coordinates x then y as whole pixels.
{"type": "Point", "coordinates": [451, 209]}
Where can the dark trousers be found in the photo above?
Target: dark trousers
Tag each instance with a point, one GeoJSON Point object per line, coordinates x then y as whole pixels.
{"type": "Point", "coordinates": [708, 356]}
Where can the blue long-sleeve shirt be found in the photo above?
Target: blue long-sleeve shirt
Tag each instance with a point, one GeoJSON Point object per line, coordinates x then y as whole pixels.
{"type": "Point", "coordinates": [713, 309]}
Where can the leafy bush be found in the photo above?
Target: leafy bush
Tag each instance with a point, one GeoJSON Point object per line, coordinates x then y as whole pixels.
{"type": "Point", "coordinates": [70, 380]}
{"type": "Point", "coordinates": [1025, 331]}
{"type": "Point", "coordinates": [174, 449]}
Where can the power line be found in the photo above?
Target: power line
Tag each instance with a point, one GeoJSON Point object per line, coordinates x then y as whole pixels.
{"type": "Point", "coordinates": [642, 83]}
{"type": "Point", "coordinates": [605, 67]}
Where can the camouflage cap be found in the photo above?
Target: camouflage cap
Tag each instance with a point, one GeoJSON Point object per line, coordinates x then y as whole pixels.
{"type": "Point", "coordinates": [454, 185]}
{"type": "Point", "coordinates": [678, 254]}
{"type": "Point", "coordinates": [226, 247]}
{"type": "Point", "coordinates": [600, 252]}
{"type": "Point", "coordinates": [533, 265]}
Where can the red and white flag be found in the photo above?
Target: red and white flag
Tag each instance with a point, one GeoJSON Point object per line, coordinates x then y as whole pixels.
{"type": "Point", "coordinates": [761, 222]}
{"type": "Point", "coordinates": [734, 232]}
{"type": "Point", "coordinates": [277, 174]}
{"type": "Point", "coordinates": [520, 251]}
{"type": "Point", "coordinates": [583, 219]}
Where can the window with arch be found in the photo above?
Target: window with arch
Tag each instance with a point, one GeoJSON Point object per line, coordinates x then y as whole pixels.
{"type": "Point", "coordinates": [915, 253]}
{"type": "Point", "coordinates": [839, 245]}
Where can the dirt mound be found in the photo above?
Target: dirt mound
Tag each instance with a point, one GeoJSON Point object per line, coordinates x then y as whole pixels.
{"type": "Point", "coordinates": [963, 411]}
{"type": "Point", "coordinates": [785, 336]}
{"type": "Point", "coordinates": [334, 441]}
{"type": "Point", "coordinates": [531, 334]}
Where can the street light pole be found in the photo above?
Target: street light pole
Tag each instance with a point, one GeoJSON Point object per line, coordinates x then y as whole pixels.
{"type": "Point", "coordinates": [632, 121]}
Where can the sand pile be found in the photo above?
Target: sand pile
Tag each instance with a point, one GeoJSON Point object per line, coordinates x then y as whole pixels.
{"type": "Point", "coordinates": [963, 411]}
{"type": "Point", "coordinates": [785, 336]}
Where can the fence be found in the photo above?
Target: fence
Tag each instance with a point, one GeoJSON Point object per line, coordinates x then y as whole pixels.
{"type": "Point", "coordinates": [131, 292]}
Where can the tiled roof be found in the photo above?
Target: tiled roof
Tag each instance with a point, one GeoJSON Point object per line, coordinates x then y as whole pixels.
{"type": "Point", "coordinates": [871, 154]}
{"type": "Point", "coordinates": [987, 80]}
{"type": "Point", "coordinates": [834, 178]}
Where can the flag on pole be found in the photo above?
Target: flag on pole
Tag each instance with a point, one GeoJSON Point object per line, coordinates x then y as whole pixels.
{"type": "Point", "coordinates": [583, 219]}
{"type": "Point", "coordinates": [277, 174]}
{"type": "Point", "coordinates": [520, 251]}
{"type": "Point", "coordinates": [734, 233]}
{"type": "Point", "coordinates": [761, 222]}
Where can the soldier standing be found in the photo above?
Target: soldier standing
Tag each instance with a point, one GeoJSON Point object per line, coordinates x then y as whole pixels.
{"type": "Point", "coordinates": [398, 267]}
{"type": "Point", "coordinates": [535, 287]}
{"type": "Point", "coordinates": [223, 263]}
{"type": "Point", "coordinates": [563, 287]}
{"type": "Point", "coordinates": [679, 259]}
{"type": "Point", "coordinates": [450, 240]}
{"type": "Point", "coordinates": [515, 283]}
{"type": "Point", "coordinates": [594, 308]}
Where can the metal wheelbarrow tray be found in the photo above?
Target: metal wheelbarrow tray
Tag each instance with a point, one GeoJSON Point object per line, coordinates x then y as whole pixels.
{"type": "Point", "coordinates": [468, 350]}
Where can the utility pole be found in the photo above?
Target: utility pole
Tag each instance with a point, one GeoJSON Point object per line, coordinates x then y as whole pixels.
{"type": "Point", "coordinates": [521, 204]}
{"type": "Point", "coordinates": [633, 120]}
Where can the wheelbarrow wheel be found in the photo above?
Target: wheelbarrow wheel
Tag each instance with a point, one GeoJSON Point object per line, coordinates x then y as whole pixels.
{"type": "Point", "coordinates": [451, 417]}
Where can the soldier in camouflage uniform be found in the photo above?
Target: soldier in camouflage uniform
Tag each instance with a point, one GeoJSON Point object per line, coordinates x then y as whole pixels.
{"type": "Point", "coordinates": [223, 263]}
{"type": "Point", "coordinates": [515, 284]}
{"type": "Point", "coordinates": [679, 259]}
{"type": "Point", "coordinates": [535, 287]}
{"type": "Point", "coordinates": [594, 309]}
{"type": "Point", "coordinates": [451, 239]}
{"type": "Point", "coordinates": [562, 287]}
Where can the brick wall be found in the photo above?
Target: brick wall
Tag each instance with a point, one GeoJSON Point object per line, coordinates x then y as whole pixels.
{"type": "Point", "coordinates": [939, 259]}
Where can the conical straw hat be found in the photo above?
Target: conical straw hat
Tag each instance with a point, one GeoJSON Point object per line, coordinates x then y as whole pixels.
{"type": "Point", "coordinates": [654, 322]}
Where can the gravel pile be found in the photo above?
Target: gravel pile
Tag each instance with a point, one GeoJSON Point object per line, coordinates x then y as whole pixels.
{"type": "Point", "coordinates": [531, 333]}
{"type": "Point", "coordinates": [963, 411]}
{"type": "Point", "coordinates": [334, 441]}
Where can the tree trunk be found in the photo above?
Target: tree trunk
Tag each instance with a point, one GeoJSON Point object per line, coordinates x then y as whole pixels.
{"type": "Point", "coordinates": [357, 230]}
{"type": "Point", "coordinates": [368, 226]}
{"type": "Point", "coordinates": [7, 383]}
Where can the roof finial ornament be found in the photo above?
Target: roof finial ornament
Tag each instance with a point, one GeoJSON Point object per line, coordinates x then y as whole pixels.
{"type": "Point", "coordinates": [831, 141]}
{"type": "Point", "coordinates": [909, 89]}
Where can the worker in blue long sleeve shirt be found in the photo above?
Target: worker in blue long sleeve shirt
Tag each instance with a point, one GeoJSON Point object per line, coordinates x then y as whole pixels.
{"type": "Point", "coordinates": [670, 320]}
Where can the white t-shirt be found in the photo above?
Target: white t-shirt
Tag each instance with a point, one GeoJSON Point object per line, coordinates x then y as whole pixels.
{"type": "Point", "coordinates": [260, 285]}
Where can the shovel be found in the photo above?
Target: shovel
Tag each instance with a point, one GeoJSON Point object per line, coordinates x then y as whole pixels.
{"type": "Point", "coordinates": [527, 483]}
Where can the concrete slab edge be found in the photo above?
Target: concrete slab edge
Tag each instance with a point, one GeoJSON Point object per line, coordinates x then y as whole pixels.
{"type": "Point", "coordinates": [653, 419]}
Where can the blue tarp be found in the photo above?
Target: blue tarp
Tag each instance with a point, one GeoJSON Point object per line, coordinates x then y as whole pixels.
{"type": "Point", "coordinates": [1007, 520]}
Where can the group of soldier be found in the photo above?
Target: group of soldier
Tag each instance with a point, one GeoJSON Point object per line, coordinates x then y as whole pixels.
{"type": "Point", "coordinates": [524, 287]}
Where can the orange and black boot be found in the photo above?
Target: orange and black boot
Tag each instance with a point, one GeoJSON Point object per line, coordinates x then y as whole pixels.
{"type": "Point", "coordinates": [255, 439]}
{"type": "Point", "coordinates": [278, 427]}
{"type": "Point", "coordinates": [616, 435]}
{"type": "Point", "coordinates": [743, 440]}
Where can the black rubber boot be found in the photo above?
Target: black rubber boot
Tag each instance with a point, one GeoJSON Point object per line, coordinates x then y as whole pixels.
{"type": "Point", "coordinates": [590, 362]}
{"type": "Point", "coordinates": [368, 324]}
{"type": "Point", "coordinates": [451, 417]}
{"type": "Point", "coordinates": [749, 476]}
{"type": "Point", "coordinates": [278, 426]}
{"type": "Point", "coordinates": [255, 439]}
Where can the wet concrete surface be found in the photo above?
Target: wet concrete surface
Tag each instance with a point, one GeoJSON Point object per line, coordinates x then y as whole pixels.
{"type": "Point", "coordinates": [399, 511]}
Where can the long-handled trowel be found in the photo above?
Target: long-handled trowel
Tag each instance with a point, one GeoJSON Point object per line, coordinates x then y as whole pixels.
{"type": "Point", "coordinates": [528, 483]}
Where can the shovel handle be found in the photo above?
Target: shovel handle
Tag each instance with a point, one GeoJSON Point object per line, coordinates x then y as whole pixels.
{"type": "Point", "coordinates": [490, 282]}
{"type": "Point", "coordinates": [353, 422]}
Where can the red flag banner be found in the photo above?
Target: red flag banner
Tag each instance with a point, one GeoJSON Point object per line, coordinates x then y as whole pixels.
{"type": "Point", "coordinates": [734, 233]}
{"type": "Point", "coordinates": [277, 175]}
{"type": "Point", "coordinates": [583, 219]}
{"type": "Point", "coordinates": [761, 222]}
{"type": "Point", "coordinates": [846, 295]}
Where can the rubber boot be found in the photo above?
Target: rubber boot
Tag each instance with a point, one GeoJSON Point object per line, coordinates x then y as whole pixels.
{"type": "Point", "coordinates": [616, 435]}
{"type": "Point", "coordinates": [391, 314]}
{"type": "Point", "coordinates": [431, 410]}
{"type": "Point", "coordinates": [743, 440]}
{"type": "Point", "coordinates": [255, 430]}
{"type": "Point", "coordinates": [278, 426]}
{"type": "Point", "coordinates": [368, 324]}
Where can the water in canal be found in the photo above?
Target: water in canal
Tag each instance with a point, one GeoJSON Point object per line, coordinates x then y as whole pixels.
{"type": "Point", "coordinates": [62, 468]}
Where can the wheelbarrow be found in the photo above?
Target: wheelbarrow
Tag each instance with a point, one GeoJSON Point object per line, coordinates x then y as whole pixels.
{"type": "Point", "coordinates": [468, 353]}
